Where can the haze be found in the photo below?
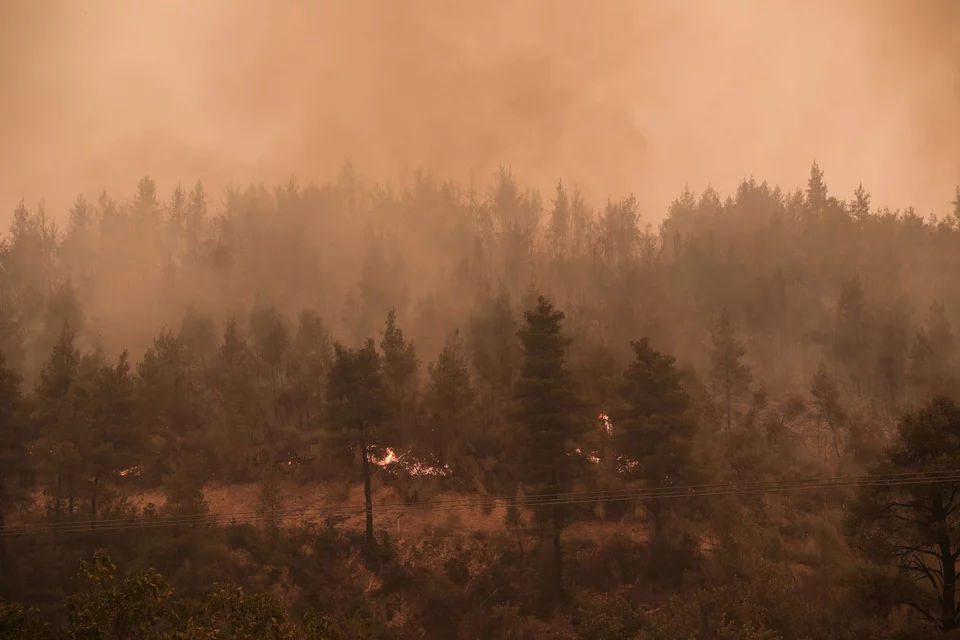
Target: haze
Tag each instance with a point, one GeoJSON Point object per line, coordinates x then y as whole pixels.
{"type": "Point", "coordinates": [616, 97]}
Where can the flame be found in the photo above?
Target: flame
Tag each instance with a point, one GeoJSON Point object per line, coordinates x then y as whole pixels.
{"type": "Point", "coordinates": [605, 419]}
{"type": "Point", "coordinates": [390, 457]}
{"type": "Point", "coordinates": [414, 468]}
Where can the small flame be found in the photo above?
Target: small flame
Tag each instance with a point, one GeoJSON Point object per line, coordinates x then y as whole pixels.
{"type": "Point", "coordinates": [608, 425]}
{"type": "Point", "coordinates": [390, 457]}
{"type": "Point", "coordinates": [414, 468]}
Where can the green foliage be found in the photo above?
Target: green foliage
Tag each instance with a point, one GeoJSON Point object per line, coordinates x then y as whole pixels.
{"type": "Point", "coordinates": [730, 375]}
{"type": "Point", "coordinates": [548, 406]}
{"type": "Point", "coordinates": [811, 279]}
{"type": "Point", "coordinates": [916, 526]}
{"type": "Point", "coordinates": [359, 409]}
{"type": "Point", "coordinates": [449, 399]}
{"type": "Point", "coordinates": [270, 503]}
{"type": "Point", "coordinates": [653, 432]}
{"type": "Point", "coordinates": [14, 437]}
{"type": "Point", "coordinates": [22, 623]}
{"type": "Point", "coordinates": [616, 621]}
{"type": "Point", "coordinates": [137, 606]}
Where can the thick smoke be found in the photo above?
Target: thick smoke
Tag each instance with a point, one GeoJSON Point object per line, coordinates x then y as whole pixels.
{"type": "Point", "coordinates": [615, 96]}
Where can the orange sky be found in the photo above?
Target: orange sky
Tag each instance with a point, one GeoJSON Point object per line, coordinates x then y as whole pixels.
{"type": "Point", "coordinates": [615, 96]}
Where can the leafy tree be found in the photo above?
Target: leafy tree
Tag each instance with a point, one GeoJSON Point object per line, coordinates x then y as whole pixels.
{"type": "Point", "coordinates": [18, 622]}
{"type": "Point", "coordinates": [359, 409]}
{"type": "Point", "coordinates": [136, 606]}
{"type": "Point", "coordinates": [655, 427]}
{"type": "Point", "coordinates": [917, 525]}
{"type": "Point", "coordinates": [548, 412]}
{"type": "Point", "coordinates": [730, 375]}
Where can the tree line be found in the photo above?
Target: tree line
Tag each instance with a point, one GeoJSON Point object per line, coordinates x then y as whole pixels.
{"type": "Point", "coordinates": [770, 335]}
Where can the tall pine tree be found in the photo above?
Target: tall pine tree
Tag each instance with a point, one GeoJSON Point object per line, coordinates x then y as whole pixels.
{"type": "Point", "coordinates": [13, 446]}
{"type": "Point", "coordinates": [655, 427]}
{"type": "Point", "coordinates": [730, 375]}
{"type": "Point", "coordinates": [549, 415]}
{"type": "Point", "coordinates": [449, 400]}
{"type": "Point", "coordinates": [358, 409]}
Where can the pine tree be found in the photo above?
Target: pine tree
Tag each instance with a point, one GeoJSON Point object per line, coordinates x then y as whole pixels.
{"type": "Point", "coordinates": [931, 357]}
{"type": "Point", "coordinates": [400, 369]}
{"type": "Point", "coordinates": [828, 410]}
{"type": "Point", "coordinates": [309, 365]}
{"type": "Point", "coordinates": [655, 427]}
{"type": "Point", "coordinates": [400, 361]}
{"type": "Point", "coordinates": [13, 447]}
{"type": "Point", "coordinates": [57, 414]}
{"type": "Point", "coordinates": [359, 408]}
{"type": "Point", "coordinates": [956, 205]}
{"type": "Point", "coordinates": [270, 502]}
{"type": "Point", "coordinates": [816, 189]}
{"type": "Point", "coordinates": [271, 340]}
{"type": "Point", "coordinates": [449, 399]}
{"type": "Point", "coordinates": [115, 441]}
{"type": "Point", "coordinates": [731, 376]}
{"type": "Point", "coordinates": [853, 323]}
{"type": "Point", "coordinates": [860, 206]}
{"type": "Point", "coordinates": [548, 412]}
{"type": "Point", "coordinates": [560, 223]}
{"type": "Point", "coordinates": [494, 354]}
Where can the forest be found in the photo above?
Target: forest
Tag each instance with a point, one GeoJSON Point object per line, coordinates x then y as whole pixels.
{"type": "Point", "coordinates": [353, 410]}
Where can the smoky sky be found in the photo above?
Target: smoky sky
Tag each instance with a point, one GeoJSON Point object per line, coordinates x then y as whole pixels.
{"type": "Point", "coordinates": [613, 96]}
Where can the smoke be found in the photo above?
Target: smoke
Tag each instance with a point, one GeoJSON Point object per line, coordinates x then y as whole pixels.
{"type": "Point", "coordinates": [614, 96]}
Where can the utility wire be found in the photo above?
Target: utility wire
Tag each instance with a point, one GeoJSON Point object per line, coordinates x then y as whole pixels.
{"type": "Point", "coordinates": [547, 499]}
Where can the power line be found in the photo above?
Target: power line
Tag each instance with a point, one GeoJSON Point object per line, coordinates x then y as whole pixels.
{"type": "Point", "coordinates": [537, 500]}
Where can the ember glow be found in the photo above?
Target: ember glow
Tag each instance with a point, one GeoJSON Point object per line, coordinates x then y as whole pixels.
{"type": "Point", "coordinates": [411, 466]}
{"type": "Point", "coordinates": [607, 424]}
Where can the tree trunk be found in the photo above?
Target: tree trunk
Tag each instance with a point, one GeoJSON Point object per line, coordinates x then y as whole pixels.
{"type": "Point", "coordinates": [367, 493]}
{"type": "Point", "coordinates": [3, 550]}
{"type": "Point", "coordinates": [516, 528]}
{"type": "Point", "coordinates": [948, 568]}
{"type": "Point", "coordinates": [729, 416]}
{"type": "Point", "coordinates": [557, 550]}
{"type": "Point", "coordinates": [93, 499]}
{"type": "Point", "coordinates": [836, 447]}
{"type": "Point", "coordinates": [70, 496]}
{"type": "Point", "coordinates": [58, 508]}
